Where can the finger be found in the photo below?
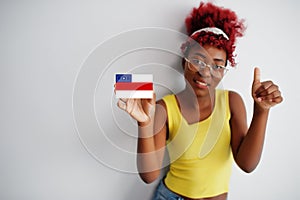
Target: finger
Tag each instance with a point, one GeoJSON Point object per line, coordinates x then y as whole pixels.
{"type": "Point", "coordinates": [277, 100]}
{"type": "Point", "coordinates": [269, 104]}
{"type": "Point", "coordinates": [272, 102]}
{"type": "Point", "coordinates": [123, 100]}
{"type": "Point", "coordinates": [266, 90]}
{"type": "Point", "coordinates": [263, 87]}
{"type": "Point", "coordinates": [256, 78]}
{"type": "Point", "coordinates": [121, 104]}
{"type": "Point", "coordinates": [130, 103]}
{"type": "Point", "coordinates": [152, 101]}
{"type": "Point", "coordinates": [271, 96]}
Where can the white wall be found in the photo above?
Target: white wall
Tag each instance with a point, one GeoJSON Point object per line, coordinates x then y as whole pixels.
{"type": "Point", "coordinates": [50, 48]}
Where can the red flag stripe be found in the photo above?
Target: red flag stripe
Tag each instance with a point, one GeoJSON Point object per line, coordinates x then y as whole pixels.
{"type": "Point", "coordinates": [134, 86]}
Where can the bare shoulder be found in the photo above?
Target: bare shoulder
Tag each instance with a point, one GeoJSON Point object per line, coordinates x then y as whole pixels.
{"type": "Point", "coordinates": [161, 109]}
{"type": "Point", "coordinates": [236, 102]}
{"type": "Point", "coordinates": [161, 102]}
{"type": "Point", "coordinates": [234, 96]}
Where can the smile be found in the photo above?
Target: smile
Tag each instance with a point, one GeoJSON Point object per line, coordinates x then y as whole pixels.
{"type": "Point", "coordinates": [201, 83]}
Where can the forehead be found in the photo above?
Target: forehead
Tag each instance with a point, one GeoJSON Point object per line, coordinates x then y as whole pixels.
{"type": "Point", "coordinates": [207, 52]}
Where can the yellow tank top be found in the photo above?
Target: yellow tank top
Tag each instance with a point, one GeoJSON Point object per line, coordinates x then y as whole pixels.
{"type": "Point", "coordinates": [200, 153]}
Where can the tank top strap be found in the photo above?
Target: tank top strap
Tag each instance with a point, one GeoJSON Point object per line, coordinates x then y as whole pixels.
{"type": "Point", "coordinates": [219, 117]}
{"type": "Point", "coordinates": [174, 114]}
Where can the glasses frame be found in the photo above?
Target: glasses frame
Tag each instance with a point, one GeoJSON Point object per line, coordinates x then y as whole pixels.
{"type": "Point", "coordinates": [198, 68]}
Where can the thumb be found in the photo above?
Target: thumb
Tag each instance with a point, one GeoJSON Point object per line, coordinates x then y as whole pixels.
{"type": "Point", "coordinates": [149, 104]}
{"type": "Point", "coordinates": [153, 100]}
{"type": "Point", "coordinates": [256, 78]}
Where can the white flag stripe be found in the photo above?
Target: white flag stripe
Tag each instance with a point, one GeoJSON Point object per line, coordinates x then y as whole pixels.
{"type": "Point", "coordinates": [142, 78]}
{"type": "Point", "coordinates": [132, 94]}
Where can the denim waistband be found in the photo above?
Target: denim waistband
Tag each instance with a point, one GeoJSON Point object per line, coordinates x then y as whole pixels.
{"type": "Point", "coordinates": [163, 193]}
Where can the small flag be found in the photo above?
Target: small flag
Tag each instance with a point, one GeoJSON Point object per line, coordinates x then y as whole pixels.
{"type": "Point", "coordinates": [134, 86]}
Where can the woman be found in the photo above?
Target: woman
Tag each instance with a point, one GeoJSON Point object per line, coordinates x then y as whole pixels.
{"type": "Point", "coordinates": [203, 128]}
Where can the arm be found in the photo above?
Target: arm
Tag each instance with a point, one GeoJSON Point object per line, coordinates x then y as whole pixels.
{"type": "Point", "coordinates": [247, 144]}
{"type": "Point", "coordinates": [151, 144]}
{"type": "Point", "coordinates": [152, 131]}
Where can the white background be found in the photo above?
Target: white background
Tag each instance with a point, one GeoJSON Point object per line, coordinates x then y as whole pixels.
{"type": "Point", "coordinates": [42, 47]}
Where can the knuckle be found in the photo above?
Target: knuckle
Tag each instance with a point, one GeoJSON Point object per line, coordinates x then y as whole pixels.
{"type": "Point", "coordinates": [279, 93]}
{"type": "Point", "coordinates": [281, 99]}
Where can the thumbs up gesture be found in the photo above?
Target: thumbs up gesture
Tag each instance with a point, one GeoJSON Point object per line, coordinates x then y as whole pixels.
{"type": "Point", "coordinates": [266, 94]}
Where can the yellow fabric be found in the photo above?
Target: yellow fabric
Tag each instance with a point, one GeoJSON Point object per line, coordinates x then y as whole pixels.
{"type": "Point", "coordinates": [200, 153]}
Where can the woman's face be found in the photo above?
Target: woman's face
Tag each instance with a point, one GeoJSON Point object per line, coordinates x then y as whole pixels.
{"type": "Point", "coordinates": [204, 80]}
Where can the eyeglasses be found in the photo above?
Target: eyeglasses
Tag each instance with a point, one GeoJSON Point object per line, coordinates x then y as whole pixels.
{"type": "Point", "coordinates": [196, 65]}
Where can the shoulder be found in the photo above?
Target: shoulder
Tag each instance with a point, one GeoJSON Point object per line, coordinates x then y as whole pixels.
{"type": "Point", "coordinates": [165, 100]}
{"type": "Point", "coordinates": [234, 96]}
{"type": "Point", "coordinates": [236, 102]}
{"type": "Point", "coordinates": [161, 107]}
{"type": "Point", "coordinates": [162, 103]}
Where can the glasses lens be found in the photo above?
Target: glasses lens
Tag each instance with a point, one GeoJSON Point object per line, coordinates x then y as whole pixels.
{"type": "Point", "coordinates": [196, 65]}
{"type": "Point", "coordinates": [192, 67]}
{"type": "Point", "coordinates": [219, 71]}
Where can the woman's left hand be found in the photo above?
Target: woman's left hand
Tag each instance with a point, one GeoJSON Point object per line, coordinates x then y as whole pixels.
{"type": "Point", "coordinates": [265, 94]}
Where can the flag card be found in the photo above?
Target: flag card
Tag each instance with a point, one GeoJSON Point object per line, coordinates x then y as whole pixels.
{"type": "Point", "coordinates": [134, 86]}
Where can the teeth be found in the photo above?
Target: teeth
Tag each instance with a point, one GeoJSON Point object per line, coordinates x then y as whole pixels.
{"type": "Point", "coordinates": [201, 83]}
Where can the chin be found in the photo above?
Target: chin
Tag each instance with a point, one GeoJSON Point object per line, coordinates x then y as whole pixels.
{"type": "Point", "coordinates": [204, 92]}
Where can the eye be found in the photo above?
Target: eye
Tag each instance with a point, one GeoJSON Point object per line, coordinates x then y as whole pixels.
{"type": "Point", "coordinates": [198, 62]}
{"type": "Point", "coordinates": [217, 67]}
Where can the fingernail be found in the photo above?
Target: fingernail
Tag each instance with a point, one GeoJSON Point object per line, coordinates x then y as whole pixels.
{"type": "Point", "coordinates": [259, 99]}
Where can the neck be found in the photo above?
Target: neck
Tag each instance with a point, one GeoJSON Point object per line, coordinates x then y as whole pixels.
{"type": "Point", "coordinates": [190, 98]}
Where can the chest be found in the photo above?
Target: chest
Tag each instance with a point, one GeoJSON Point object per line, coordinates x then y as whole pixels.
{"type": "Point", "coordinates": [196, 114]}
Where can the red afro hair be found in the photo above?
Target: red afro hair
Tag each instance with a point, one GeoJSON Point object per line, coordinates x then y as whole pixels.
{"type": "Point", "coordinates": [210, 15]}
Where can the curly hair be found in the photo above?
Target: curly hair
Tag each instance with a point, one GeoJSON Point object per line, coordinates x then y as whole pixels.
{"type": "Point", "coordinates": [210, 15]}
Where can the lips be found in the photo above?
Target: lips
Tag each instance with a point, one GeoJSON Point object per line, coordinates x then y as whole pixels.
{"type": "Point", "coordinates": [201, 83]}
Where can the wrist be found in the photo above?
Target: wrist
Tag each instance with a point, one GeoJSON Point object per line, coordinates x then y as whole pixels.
{"type": "Point", "coordinates": [145, 123]}
{"type": "Point", "coordinates": [258, 109]}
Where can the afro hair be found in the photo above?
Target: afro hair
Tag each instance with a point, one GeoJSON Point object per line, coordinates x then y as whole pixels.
{"type": "Point", "coordinates": [210, 15]}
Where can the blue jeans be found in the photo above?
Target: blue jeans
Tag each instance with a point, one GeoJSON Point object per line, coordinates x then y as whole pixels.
{"type": "Point", "coordinates": [163, 193]}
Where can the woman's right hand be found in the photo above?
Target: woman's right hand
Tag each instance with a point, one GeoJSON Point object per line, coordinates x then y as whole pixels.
{"type": "Point", "coordinates": [142, 110]}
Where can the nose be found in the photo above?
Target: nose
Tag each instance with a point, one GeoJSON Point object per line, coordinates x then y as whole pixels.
{"type": "Point", "coordinates": [205, 72]}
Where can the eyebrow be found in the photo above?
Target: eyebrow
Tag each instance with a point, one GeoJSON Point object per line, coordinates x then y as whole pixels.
{"type": "Point", "coordinates": [199, 54]}
{"type": "Point", "coordinates": [219, 60]}
{"type": "Point", "coordinates": [215, 59]}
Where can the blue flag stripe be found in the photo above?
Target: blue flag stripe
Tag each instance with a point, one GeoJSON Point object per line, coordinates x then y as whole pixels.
{"type": "Point", "coordinates": [127, 78]}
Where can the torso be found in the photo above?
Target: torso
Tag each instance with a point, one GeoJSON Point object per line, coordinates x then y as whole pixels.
{"type": "Point", "coordinates": [188, 112]}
